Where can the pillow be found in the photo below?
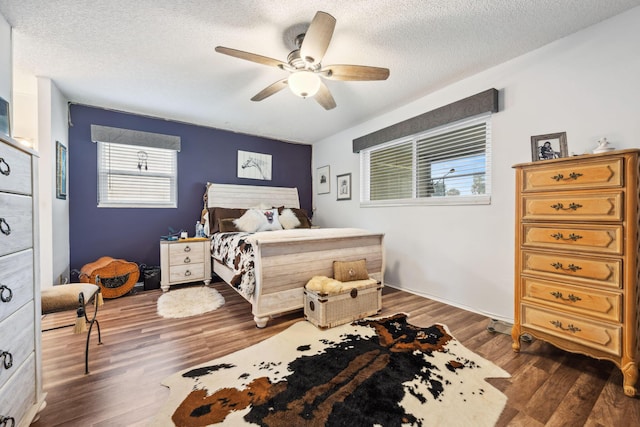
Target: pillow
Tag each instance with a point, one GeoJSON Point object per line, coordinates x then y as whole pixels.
{"type": "Point", "coordinates": [258, 220]}
{"type": "Point", "coordinates": [217, 213]}
{"type": "Point", "coordinates": [226, 225]}
{"type": "Point", "coordinates": [250, 221]}
{"type": "Point", "coordinates": [301, 214]}
{"type": "Point", "coordinates": [347, 271]}
{"type": "Point", "coordinates": [272, 220]}
{"type": "Point", "coordinates": [288, 219]}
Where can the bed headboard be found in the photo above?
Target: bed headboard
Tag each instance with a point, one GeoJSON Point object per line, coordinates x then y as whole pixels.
{"type": "Point", "coordinates": [250, 196]}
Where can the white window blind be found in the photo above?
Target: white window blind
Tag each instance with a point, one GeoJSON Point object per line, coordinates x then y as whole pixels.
{"type": "Point", "coordinates": [136, 176]}
{"type": "Point", "coordinates": [446, 165]}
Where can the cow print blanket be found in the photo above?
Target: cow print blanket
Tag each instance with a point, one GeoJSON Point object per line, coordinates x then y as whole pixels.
{"type": "Point", "coordinates": [236, 252]}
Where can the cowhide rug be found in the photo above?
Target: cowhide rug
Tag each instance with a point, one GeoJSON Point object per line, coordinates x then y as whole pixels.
{"type": "Point", "coordinates": [373, 372]}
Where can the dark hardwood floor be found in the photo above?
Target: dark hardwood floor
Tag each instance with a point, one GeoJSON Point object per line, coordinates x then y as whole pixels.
{"type": "Point", "coordinates": [548, 386]}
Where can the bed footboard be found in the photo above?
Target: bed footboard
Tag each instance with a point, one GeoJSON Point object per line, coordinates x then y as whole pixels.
{"type": "Point", "coordinates": [283, 267]}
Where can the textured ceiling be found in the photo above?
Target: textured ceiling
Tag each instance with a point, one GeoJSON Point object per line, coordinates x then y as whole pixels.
{"type": "Point", "coordinates": [156, 57]}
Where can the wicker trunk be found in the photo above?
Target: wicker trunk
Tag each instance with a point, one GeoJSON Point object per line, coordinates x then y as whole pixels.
{"type": "Point", "coordinates": [326, 311]}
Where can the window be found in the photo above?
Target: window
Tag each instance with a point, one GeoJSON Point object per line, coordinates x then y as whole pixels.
{"type": "Point", "coordinates": [447, 165]}
{"type": "Point", "coordinates": [136, 176]}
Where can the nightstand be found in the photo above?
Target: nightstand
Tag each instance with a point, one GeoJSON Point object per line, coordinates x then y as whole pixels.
{"type": "Point", "coordinates": [184, 261]}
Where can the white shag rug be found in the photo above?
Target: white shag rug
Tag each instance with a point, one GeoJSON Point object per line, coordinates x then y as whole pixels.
{"type": "Point", "coordinates": [187, 302]}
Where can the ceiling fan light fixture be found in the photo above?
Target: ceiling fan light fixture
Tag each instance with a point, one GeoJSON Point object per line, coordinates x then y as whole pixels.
{"type": "Point", "coordinates": [304, 83]}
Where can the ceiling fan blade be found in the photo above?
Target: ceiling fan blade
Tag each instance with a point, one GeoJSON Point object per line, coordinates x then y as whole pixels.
{"type": "Point", "coordinates": [270, 90]}
{"type": "Point", "coordinates": [251, 57]}
{"type": "Point", "coordinates": [324, 97]}
{"type": "Point", "coordinates": [354, 72]}
{"type": "Point", "coordinates": [317, 38]}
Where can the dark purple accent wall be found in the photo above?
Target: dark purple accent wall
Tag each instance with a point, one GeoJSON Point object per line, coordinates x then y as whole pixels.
{"type": "Point", "coordinates": [207, 155]}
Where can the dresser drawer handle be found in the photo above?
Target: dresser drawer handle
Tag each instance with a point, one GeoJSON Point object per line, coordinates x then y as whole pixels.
{"type": "Point", "coordinates": [570, 327]}
{"type": "Point", "coordinates": [572, 175]}
{"type": "Point", "coordinates": [571, 297]}
{"type": "Point", "coordinates": [4, 227]}
{"type": "Point", "coordinates": [5, 169]}
{"type": "Point", "coordinates": [7, 359]}
{"type": "Point", "coordinates": [187, 273]}
{"type": "Point", "coordinates": [572, 236]}
{"type": "Point", "coordinates": [9, 293]}
{"type": "Point", "coordinates": [187, 248]}
{"type": "Point", "coordinates": [570, 267]}
{"type": "Point", "coordinates": [187, 260]}
{"type": "Point", "coordinates": [572, 206]}
{"type": "Point", "coordinates": [7, 421]}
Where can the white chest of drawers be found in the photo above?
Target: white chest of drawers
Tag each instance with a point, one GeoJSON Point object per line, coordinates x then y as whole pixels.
{"type": "Point", "coordinates": [184, 261]}
{"type": "Point", "coordinates": [577, 248]}
{"type": "Point", "coordinates": [21, 395]}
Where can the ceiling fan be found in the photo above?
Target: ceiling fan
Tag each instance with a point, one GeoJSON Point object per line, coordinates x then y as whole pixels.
{"type": "Point", "coordinates": [304, 65]}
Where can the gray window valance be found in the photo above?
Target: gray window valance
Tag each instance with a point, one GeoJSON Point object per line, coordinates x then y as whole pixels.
{"type": "Point", "coordinates": [134, 137]}
{"type": "Point", "coordinates": [482, 102]}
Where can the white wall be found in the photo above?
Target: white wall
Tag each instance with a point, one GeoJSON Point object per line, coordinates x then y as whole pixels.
{"type": "Point", "coordinates": [54, 212]}
{"type": "Point", "coordinates": [586, 84]}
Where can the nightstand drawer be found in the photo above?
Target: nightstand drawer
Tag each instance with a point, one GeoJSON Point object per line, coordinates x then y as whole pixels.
{"type": "Point", "coordinates": [560, 177]}
{"type": "Point", "coordinates": [573, 207]}
{"type": "Point", "coordinates": [606, 239]}
{"type": "Point", "coordinates": [595, 271]}
{"type": "Point", "coordinates": [185, 253]}
{"type": "Point", "coordinates": [182, 273]}
{"type": "Point", "coordinates": [599, 335]}
{"type": "Point", "coordinates": [580, 300]}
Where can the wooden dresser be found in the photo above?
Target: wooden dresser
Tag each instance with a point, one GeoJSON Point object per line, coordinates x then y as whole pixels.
{"type": "Point", "coordinates": [184, 261]}
{"type": "Point", "coordinates": [576, 267]}
{"type": "Point", "coordinates": [21, 395]}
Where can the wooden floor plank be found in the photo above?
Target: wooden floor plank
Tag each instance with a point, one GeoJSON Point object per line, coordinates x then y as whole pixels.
{"type": "Point", "coordinates": [140, 349]}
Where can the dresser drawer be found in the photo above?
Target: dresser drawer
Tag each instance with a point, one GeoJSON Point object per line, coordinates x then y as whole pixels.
{"type": "Point", "coordinates": [184, 273]}
{"type": "Point", "coordinates": [16, 273]}
{"type": "Point", "coordinates": [186, 253]}
{"type": "Point", "coordinates": [594, 271]}
{"type": "Point", "coordinates": [16, 215]}
{"type": "Point", "coordinates": [594, 206]}
{"type": "Point", "coordinates": [17, 338]}
{"type": "Point", "coordinates": [17, 165]}
{"type": "Point", "coordinates": [599, 335]}
{"type": "Point", "coordinates": [605, 239]}
{"type": "Point", "coordinates": [18, 395]}
{"type": "Point", "coordinates": [580, 300]}
{"type": "Point", "coordinates": [605, 173]}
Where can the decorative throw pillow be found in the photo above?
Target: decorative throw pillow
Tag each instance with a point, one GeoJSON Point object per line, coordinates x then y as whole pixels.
{"type": "Point", "coordinates": [217, 213]}
{"type": "Point", "coordinates": [251, 221]}
{"type": "Point", "coordinates": [272, 222]}
{"type": "Point", "coordinates": [305, 222]}
{"type": "Point", "coordinates": [347, 271]}
{"type": "Point", "coordinates": [288, 219]}
{"type": "Point", "coordinates": [226, 225]}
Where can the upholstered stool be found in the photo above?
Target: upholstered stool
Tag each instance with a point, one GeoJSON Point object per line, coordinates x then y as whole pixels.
{"type": "Point", "coordinates": [74, 296]}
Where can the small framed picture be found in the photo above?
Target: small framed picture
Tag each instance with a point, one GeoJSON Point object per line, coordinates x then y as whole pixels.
{"type": "Point", "coordinates": [61, 171]}
{"type": "Point", "coordinates": [344, 186]}
{"type": "Point", "coordinates": [323, 181]}
{"type": "Point", "coordinates": [550, 146]}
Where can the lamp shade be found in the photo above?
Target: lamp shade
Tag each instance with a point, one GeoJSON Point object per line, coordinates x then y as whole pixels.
{"type": "Point", "coordinates": [304, 83]}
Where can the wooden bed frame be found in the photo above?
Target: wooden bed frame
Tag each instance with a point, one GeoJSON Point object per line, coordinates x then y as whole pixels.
{"type": "Point", "coordinates": [283, 267]}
